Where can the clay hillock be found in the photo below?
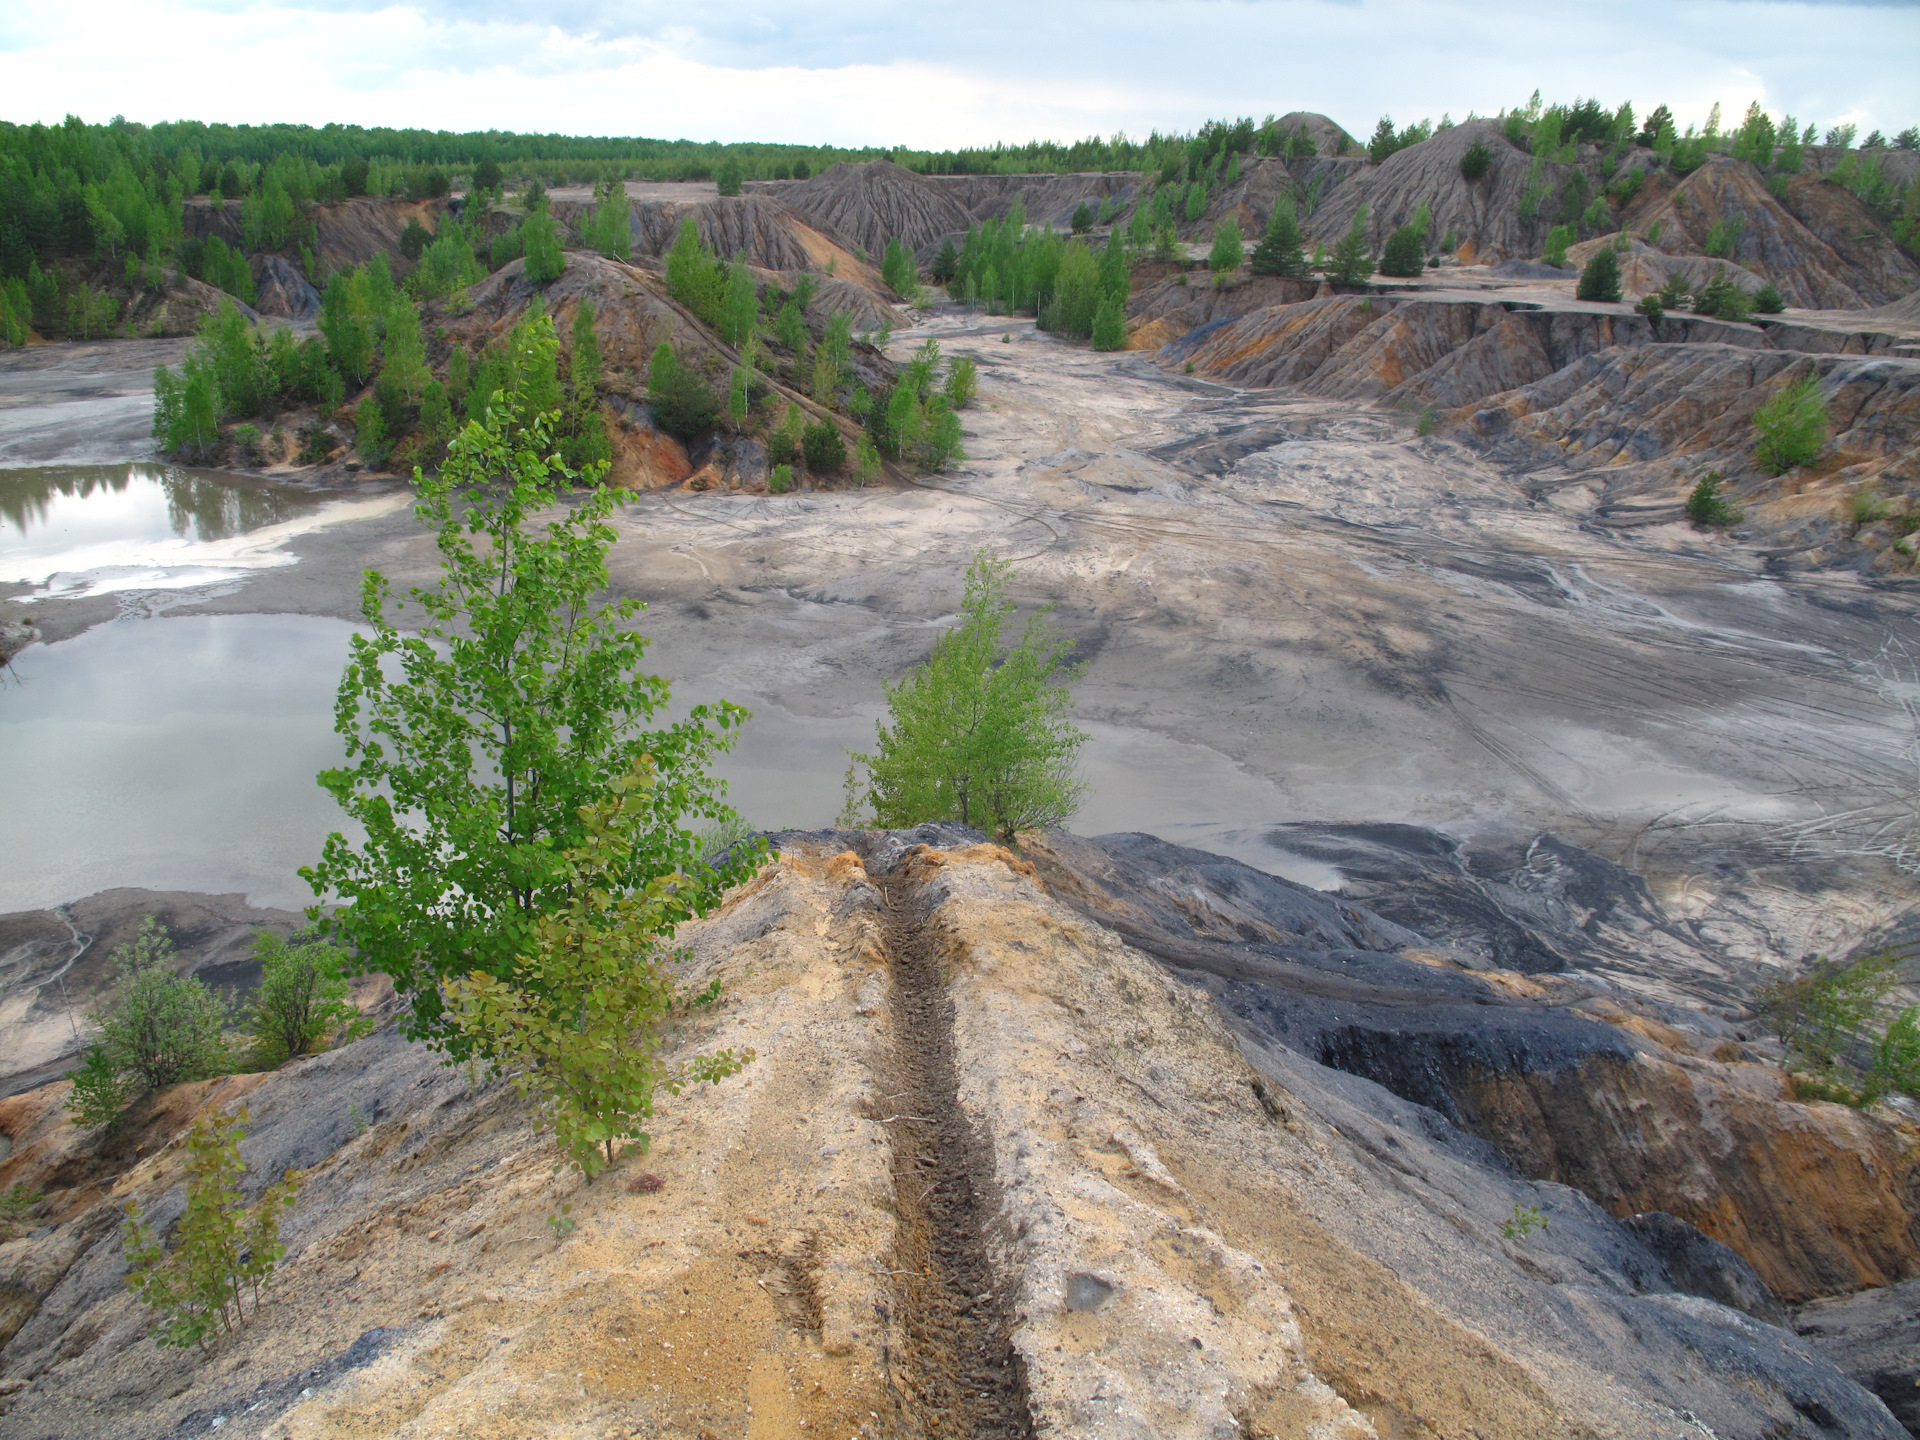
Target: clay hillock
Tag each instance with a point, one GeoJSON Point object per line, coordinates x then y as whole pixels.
{"type": "Point", "coordinates": [998, 1167]}
{"type": "Point", "coordinates": [1329, 138]}
{"type": "Point", "coordinates": [281, 290]}
{"type": "Point", "coordinates": [633, 314]}
{"type": "Point", "coordinates": [1644, 269]}
{"type": "Point", "coordinates": [867, 204]}
{"type": "Point", "coordinates": [1642, 406]}
{"type": "Point", "coordinates": [1049, 200]}
{"type": "Point", "coordinates": [1875, 264]}
{"type": "Point", "coordinates": [1727, 199]}
{"type": "Point", "coordinates": [1483, 215]}
{"type": "Point", "coordinates": [769, 233]}
{"type": "Point", "coordinates": [354, 231]}
{"type": "Point", "coordinates": [1167, 310]}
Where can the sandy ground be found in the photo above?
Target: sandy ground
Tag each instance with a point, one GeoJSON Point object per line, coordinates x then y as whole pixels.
{"type": "Point", "coordinates": [1288, 609]}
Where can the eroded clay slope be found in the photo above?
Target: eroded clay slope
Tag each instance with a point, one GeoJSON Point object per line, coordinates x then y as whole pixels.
{"type": "Point", "coordinates": [991, 1167]}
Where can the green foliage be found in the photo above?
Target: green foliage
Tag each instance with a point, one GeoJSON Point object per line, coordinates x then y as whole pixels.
{"type": "Point", "coordinates": [370, 440]}
{"type": "Point", "coordinates": [1554, 252]}
{"type": "Point", "coordinates": [1768, 300]}
{"type": "Point", "coordinates": [223, 1254]}
{"type": "Point", "coordinates": [944, 439]}
{"type": "Point", "coordinates": [1841, 1030]}
{"type": "Point", "coordinates": [1475, 163]}
{"type": "Point", "coordinates": [609, 226]}
{"type": "Point", "coordinates": [161, 1029]}
{"type": "Point", "coordinates": [1722, 237]}
{"type": "Point", "coordinates": [683, 406]}
{"type": "Point", "coordinates": [1082, 218]}
{"type": "Point", "coordinates": [1865, 506]}
{"type": "Point", "coordinates": [1280, 249]}
{"type": "Point", "coordinates": [1524, 1221]}
{"type": "Point", "coordinates": [946, 263]}
{"type": "Point", "coordinates": [1228, 250]}
{"type": "Point", "coordinates": [1600, 278]}
{"type": "Point", "coordinates": [823, 449]}
{"type": "Point", "coordinates": [739, 305]}
{"type": "Point", "coordinates": [1724, 299]}
{"type": "Point", "coordinates": [780, 479]}
{"type": "Point", "coordinates": [729, 177]}
{"type": "Point", "coordinates": [1404, 254]}
{"type": "Point", "coordinates": [1352, 258]}
{"type": "Point", "coordinates": [1076, 292]}
{"type": "Point", "coordinates": [1196, 201]}
{"type": "Point", "coordinates": [1427, 422]}
{"type": "Point", "coordinates": [1649, 305]}
{"type": "Point", "coordinates": [540, 239]}
{"type": "Point", "coordinates": [897, 269]}
{"type": "Point", "coordinates": [1708, 505]}
{"type": "Point", "coordinates": [1792, 426]}
{"type": "Point", "coordinates": [474, 741]}
{"type": "Point", "coordinates": [579, 1022]}
{"type": "Point", "coordinates": [414, 238]}
{"type": "Point", "coordinates": [695, 276]}
{"type": "Point", "coordinates": [866, 460]}
{"type": "Point", "coordinates": [18, 1207]}
{"type": "Point", "coordinates": [963, 381]}
{"type": "Point", "coordinates": [1383, 142]}
{"type": "Point", "coordinates": [1110, 325]}
{"type": "Point", "coordinates": [301, 999]}
{"type": "Point", "coordinates": [976, 737]}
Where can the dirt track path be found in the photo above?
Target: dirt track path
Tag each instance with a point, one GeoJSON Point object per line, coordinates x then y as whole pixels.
{"type": "Point", "coordinates": [961, 1376]}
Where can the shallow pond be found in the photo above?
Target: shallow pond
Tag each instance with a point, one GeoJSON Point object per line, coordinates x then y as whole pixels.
{"type": "Point", "coordinates": [179, 753]}
{"type": "Point", "coordinates": [98, 529]}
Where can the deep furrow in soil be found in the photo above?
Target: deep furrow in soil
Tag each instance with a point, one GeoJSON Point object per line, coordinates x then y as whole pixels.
{"type": "Point", "coordinates": [959, 1378]}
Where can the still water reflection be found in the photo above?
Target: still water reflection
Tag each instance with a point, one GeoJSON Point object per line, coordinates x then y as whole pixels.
{"type": "Point", "coordinates": [179, 754]}
{"type": "Point", "coordinates": [97, 528]}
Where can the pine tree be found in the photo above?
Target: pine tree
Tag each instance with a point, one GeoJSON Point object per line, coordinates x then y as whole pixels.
{"type": "Point", "coordinates": [1402, 255]}
{"type": "Point", "coordinates": [1279, 251]}
{"type": "Point", "coordinates": [729, 177]}
{"type": "Point", "coordinates": [1353, 257]}
{"type": "Point", "coordinates": [1600, 280]}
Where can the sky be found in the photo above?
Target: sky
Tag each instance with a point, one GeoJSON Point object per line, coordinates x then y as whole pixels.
{"type": "Point", "coordinates": [882, 72]}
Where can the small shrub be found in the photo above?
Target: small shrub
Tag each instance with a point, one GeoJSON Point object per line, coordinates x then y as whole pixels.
{"type": "Point", "coordinates": [825, 452]}
{"type": "Point", "coordinates": [1674, 292]}
{"type": "Point", "coordinates": [1402, 256]}
{"type": "Point", "coordinates": [1865, 506]}
{"type": "Point", "coordinates": [162, 1029]}
{"type": "Point", "coordinates": [579, 1022]}
{"type": "Point", "coordinates": [1228, 249]}
{"type": "Point", "coordinates": [1600, 279]}
{"type": "Point", "coordinates": [963, 381]}
{"type": "Point", "coordinates": [682, 404]}
{"type": "Point", "coordinates": [1555, 251]}
{"type": "Point", "coordinates": [1722, 238]}
{"type": "Point", "coordinates": [1525, 1220]}
{"type": "Point", "coordinates": [1650, 306]}
{"type": "Point", "coordinates": [1768, 300]}
{"type": "Point", "coordinates": [1082, 219]}
{"type": "Point", "coordinates": [18, 1208]}
{"type": "Point", "coordinates": [301, 999]}
{"type": "Point", "coordinates": [1792, 426]}
{"type": "Point", "coordinates": [1724, 300]}
{"type": "Point", "coordinates": [223, 1254]}
{"type": "Point", "coordinates": [780, 480]}
{"type": "Point", "coordinates": [1707, 506]}
{"type": "Point", "coordinates": [1427, 422]}
{"type": "Point", "coordinates": [1474, 164]}
{"type": "Point", "coordinates": [563, 1224]}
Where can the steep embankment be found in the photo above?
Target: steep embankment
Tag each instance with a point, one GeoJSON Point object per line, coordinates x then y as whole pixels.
{"type": "Point", "coordinates": [633, 315]}
{"type": "Point", "coordinates": [1485, 216]}
{"type": "Point", "coordinates": [1728, 200]}
{"type": "Point", "coordinates": [991, 1165]}
{"type": "Point", "coordinates": [866, 205]}
{"type": "Point", "coordinates": [1643, 406]}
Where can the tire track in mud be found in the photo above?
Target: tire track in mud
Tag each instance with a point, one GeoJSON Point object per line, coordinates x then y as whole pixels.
{"type": "Point", "coordinates": [959, 1377]}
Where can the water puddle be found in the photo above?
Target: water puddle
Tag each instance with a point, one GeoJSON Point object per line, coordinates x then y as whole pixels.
{"type": "Point", "coordinates": [98, 529]}
{"type": "Point", "coordinates": [179, 753]}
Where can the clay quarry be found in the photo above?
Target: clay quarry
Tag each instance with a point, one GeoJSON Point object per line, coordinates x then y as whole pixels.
{"type": "Point", "coordinates": [1382, 1049]}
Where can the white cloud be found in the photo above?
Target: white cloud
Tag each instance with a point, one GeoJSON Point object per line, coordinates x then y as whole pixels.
{"type": "Point", "coordinates": [861, 72]}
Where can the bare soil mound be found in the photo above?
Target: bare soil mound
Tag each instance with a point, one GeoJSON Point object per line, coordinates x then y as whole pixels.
{"type": "Point", "coordinates": [1328, 137]}
{"type": "Point", "coordinates": [281, 290]}
{"type": "Point", "coordinates": [1644, 269]}
{"type": "Point", "coordinates": [866, 205]}
{"type": "Point", "coordinates": [770, 234]}
{"type": "Point", "coordinates": [1855, 233]}
{"type": "Point", "coordinates": [1483, 215]}
{"type": "Point", "coordinates": [1047, 199]}
{"type": "Point", "coordinates": [1727, 198]}
{"type": "Point", "coordinates": [353, 232]}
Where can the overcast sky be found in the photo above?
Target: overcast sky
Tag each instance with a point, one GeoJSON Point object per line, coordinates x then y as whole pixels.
{"type": "Point", "coordinates": [880, 72]}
